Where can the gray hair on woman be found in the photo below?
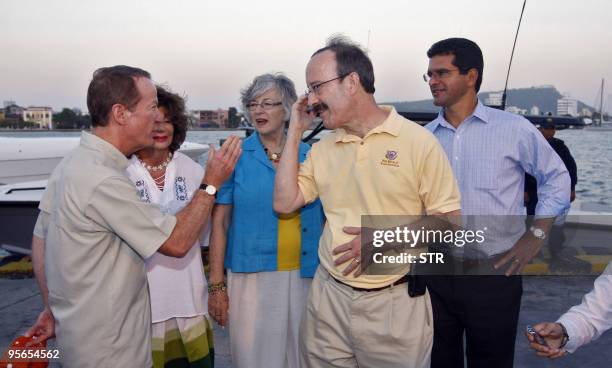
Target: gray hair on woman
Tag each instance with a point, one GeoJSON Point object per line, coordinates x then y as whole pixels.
{"type": "Point", "coordinates": [262, 84]}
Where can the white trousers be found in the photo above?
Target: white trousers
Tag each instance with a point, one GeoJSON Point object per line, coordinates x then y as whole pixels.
{"type": "Point", "coordinates": [264, 318]}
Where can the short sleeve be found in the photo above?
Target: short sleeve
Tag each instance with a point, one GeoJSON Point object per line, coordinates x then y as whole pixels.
{"type": "Point", "coordinates": [306, 179]}
{"type": "Point", "coordinates": [225, 194]}
{"type": "Point", "coordinates": [116, 206]}
{"type": "Point", "coordinates": [438, 187]}
{"type": "Point", "coordinates": [42, 224]}
{"type": "Point", "coordinates": [47, 202]}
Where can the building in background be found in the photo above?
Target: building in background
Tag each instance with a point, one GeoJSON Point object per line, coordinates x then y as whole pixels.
{"type": "Point", "coordinates": [41, 115]}
{"type": "Point", "coordinates": [567, 106]}
{"type": "Point", "coordinates": [534, 110]}
{"type": "Point", "coordinates": [209, 118]}
{"type": "Point", "coordinates": [494, 99]}
{"type": "Point", "coordinates": [586, 112]}
{"type": "Point", "coordinates": [516, 110]}
{"type": "Point", "coordinates": [13, 111]}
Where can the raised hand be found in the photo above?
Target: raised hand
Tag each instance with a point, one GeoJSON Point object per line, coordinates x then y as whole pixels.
{"type": "Point", "coordinates": [221, 163]}
{"type": "Point", "coordinates": [301, 117]}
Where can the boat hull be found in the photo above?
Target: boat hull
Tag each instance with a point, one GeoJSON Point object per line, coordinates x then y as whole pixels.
{"type": "Point", "coordinates": [27, 159]}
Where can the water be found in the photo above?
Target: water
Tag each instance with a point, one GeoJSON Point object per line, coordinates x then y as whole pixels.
{"type": "Point", "coordinates": [592, 150]}
{"type": "Point", "coordinates": [196, 136]}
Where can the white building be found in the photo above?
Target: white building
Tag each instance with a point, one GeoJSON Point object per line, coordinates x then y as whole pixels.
{"type": "Point", "coordinates": [494, 99]}
{"type": "Point", "coordinates": [534, 110]}
{"type": "Point", "coordinates": [516, 110]}
{"type": "Point", "coordinates": [567, 106]}
{"type": "Point", "coordinates": [586, 112]}
{"type": "Point", "coordinates": [41, 115]}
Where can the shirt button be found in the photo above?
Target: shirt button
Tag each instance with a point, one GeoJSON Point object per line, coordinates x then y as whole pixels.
{"type": "Point", "coordinates": [304, 229]}
{"type": "Point", "coordinates": [304, 253]}
{"type": "Point", "coordinates": [456, 157]}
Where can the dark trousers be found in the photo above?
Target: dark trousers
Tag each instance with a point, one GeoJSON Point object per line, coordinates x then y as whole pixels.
{"type": "Point", "coordinates": [485, 308]}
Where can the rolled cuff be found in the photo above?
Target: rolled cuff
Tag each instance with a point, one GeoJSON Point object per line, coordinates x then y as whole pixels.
{"type": "Point", "coordinates": [575, 340]}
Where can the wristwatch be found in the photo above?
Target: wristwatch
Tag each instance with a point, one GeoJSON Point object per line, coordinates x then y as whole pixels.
{"type": "Point", "coordinates": [537, 232]}
{"type": "Point", "coordinates": [209, 189]}
{"type": "Point", "coordinates": [566, 338]}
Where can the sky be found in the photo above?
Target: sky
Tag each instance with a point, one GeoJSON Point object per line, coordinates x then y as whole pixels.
{"type": "Point", "coordinates": [209, 50]}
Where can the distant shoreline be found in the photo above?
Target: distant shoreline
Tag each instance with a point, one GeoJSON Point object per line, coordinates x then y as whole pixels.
{"type": "Point", "coordinates": [80, 130]}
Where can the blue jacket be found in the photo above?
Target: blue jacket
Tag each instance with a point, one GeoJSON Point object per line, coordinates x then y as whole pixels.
{"type": "Point", "coordinates": [253, 232]}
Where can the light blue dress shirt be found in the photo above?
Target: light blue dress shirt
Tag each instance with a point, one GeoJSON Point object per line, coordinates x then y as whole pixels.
{"type": "Point", "coordinates": [490, 152]}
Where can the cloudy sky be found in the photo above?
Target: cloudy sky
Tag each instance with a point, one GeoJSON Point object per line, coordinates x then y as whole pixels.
{"type": "Point", "coordinates": [209, 50]}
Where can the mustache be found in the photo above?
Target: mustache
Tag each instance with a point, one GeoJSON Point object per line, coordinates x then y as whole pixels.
{"type": "Point", "coordinates": [317, 109]}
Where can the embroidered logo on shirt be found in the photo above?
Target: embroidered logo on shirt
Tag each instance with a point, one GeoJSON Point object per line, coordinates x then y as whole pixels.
{"type": "Point", "coordinates": [389, 159]}
{"type": "Point", "coordinates": [142, 191]}
{"type": "Point", "coordinates": [180, 188]}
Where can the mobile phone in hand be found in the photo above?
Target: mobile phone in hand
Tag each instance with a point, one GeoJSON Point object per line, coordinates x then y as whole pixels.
{"type": "Point", "coordinates": [539, 339]}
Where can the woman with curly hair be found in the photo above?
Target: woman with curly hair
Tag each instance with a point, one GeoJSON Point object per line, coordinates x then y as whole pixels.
{"type": "Point", "coordinates": [182, 335]}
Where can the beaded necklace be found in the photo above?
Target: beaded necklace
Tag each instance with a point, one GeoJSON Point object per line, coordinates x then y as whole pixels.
{"type": "Point", "coordinates": [274, 156]}
{"type": "Point", "coordinates": [159, 167]}
{"type": "Point", "coordinates": [161, 178]}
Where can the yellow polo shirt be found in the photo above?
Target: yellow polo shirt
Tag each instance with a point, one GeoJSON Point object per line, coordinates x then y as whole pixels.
{"type": "Point", "coordinates": [398, 168]}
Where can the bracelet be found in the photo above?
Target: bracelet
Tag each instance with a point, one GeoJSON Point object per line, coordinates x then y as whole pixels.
{"type": "Point", "coordinates": [565, 339]}
{"type": "Point", "coordinates": [216, 287]}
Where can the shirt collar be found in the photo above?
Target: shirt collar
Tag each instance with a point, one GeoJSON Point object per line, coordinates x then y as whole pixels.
{"type": "Point", "coordinates": [391, 125]}
{"type": "Point", "coordinates": [480, 112]}
{"type": "Point", "coordinates": [112, 156]}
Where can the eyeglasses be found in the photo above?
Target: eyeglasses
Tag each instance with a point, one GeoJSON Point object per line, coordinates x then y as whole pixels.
{"type": "Point", "coordinates": [317, 87]}
{"type": "Point", "coordinates": [437, 74]}
{"type": "Point", "coordinates": [266, 105]}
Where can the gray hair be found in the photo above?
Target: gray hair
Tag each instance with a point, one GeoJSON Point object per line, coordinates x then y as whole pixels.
{"type": "Point", "coordinates": [265, 82]}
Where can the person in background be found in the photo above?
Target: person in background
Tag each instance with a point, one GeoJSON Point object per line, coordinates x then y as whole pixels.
{"type": "Point", "coordinates": [558, 261]}
{"type": "Point", "coordinates": [270, 258]}
{"type": "Point", "coordinates": [181, 333]}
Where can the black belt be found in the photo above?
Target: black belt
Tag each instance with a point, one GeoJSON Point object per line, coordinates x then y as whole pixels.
{"type": "Point", "coordinates": [400, 281]}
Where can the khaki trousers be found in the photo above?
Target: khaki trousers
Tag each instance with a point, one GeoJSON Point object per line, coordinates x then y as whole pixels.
{"type": "Point", "coordinates": [342, 327]}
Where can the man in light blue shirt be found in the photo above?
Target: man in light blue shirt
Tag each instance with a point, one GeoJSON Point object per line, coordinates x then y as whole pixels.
{"type": "Point", "coordinates": [490, 151]}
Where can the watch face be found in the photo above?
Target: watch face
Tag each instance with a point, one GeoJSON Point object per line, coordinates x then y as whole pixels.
{"type": "Point", "coordinates": [211, 190]}
{"type": "Point", "coordinates": [538, 233]}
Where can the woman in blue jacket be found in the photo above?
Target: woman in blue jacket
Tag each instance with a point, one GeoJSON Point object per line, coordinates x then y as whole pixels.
{"type": "Point", "coordinates": [270, 259]}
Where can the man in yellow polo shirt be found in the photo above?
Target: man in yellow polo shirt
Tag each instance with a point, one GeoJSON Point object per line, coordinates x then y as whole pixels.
{"type": "Point", "coordinates": [374, 163]}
